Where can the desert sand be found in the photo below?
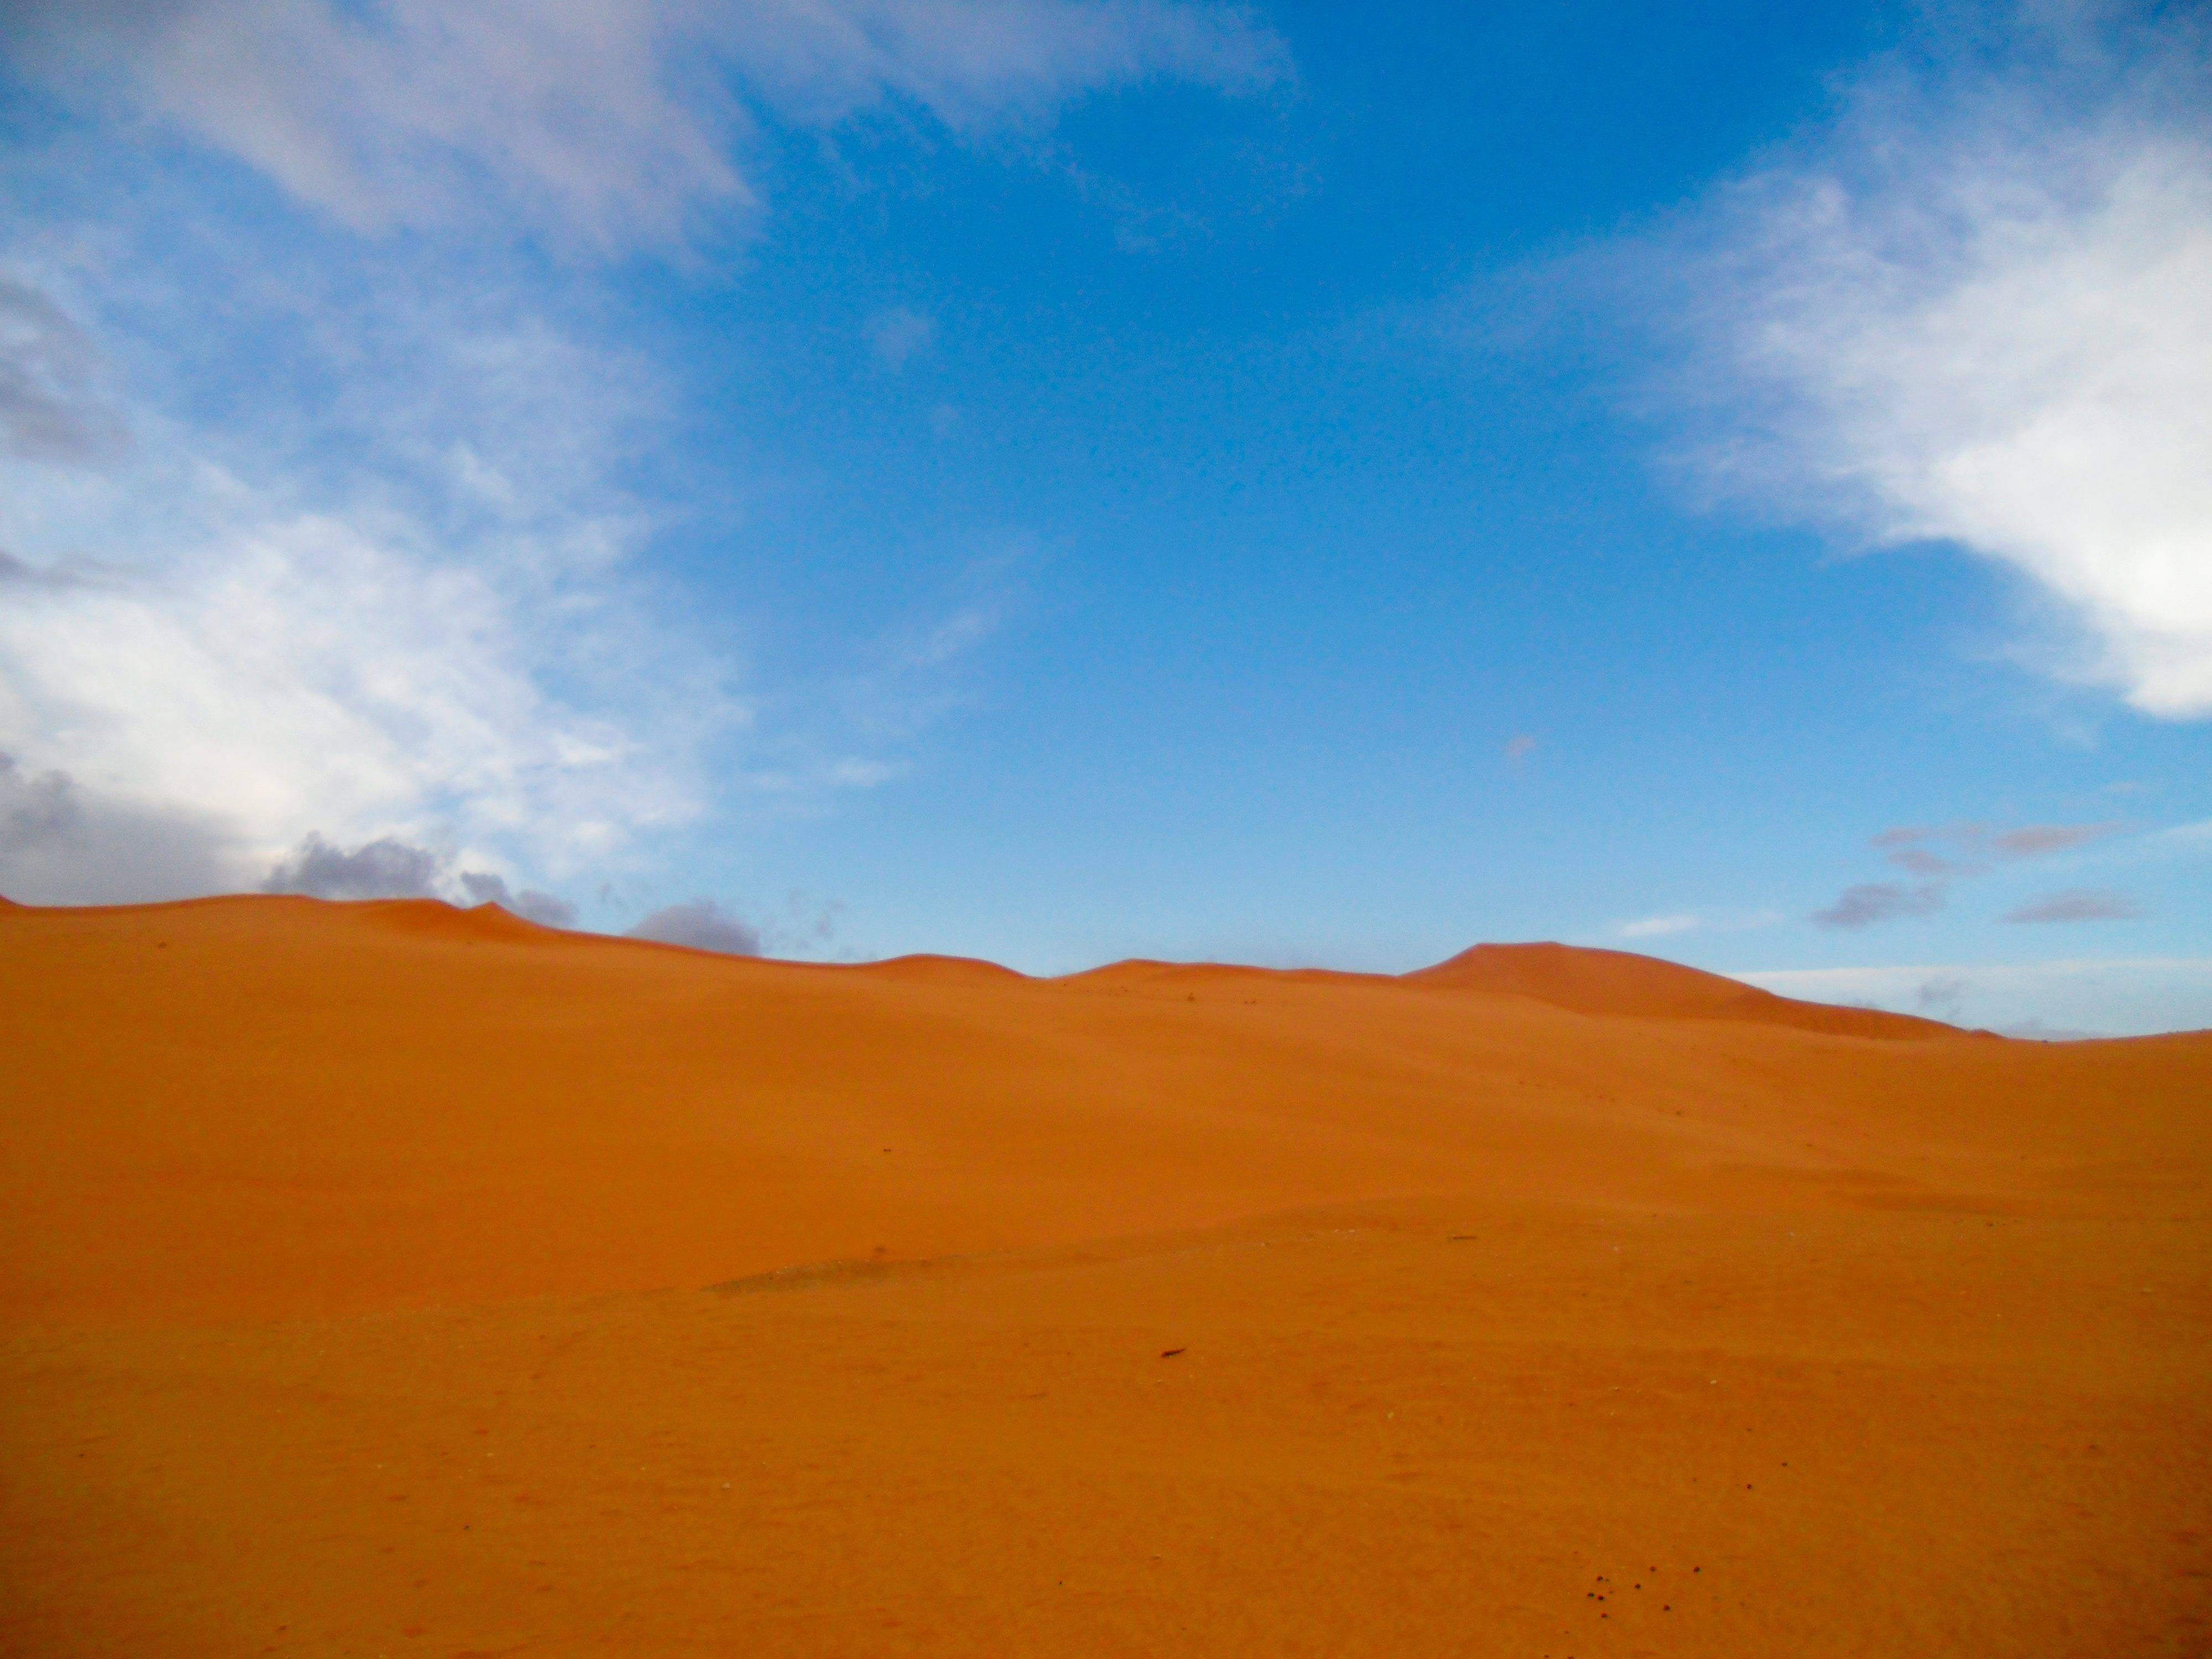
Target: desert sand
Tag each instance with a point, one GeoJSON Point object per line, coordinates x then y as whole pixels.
{"type": "Point", "coordinates": [386, 1278]}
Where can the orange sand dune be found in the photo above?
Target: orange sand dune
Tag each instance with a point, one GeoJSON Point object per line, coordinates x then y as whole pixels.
{"type": "Point", "coordinates": [390, 1278]}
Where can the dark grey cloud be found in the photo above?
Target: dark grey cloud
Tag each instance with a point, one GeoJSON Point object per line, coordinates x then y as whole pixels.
{"type": "Point", "coordinates": [389, 867]}
{"type": "Point", "coordinates": [50, 407]}
{"type": "Point", "coordinates": [544, 909]}
{"type": "Point", "coordinates": [34, 807]}
{"type": "Point", "coordinates": [2077, 904]}
{"type": "Point", "coordinates": [61, 843]}
{"type": "Point", "coordinates": [702, 925]}
{"type": "Point", "coordinates": [1880, 901]}
{"type": "Point", "coordinates": [385, 868]}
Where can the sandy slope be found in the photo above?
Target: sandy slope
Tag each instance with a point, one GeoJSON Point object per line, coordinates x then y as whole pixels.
{"type": "Point", "coordinates": [389, 1279]}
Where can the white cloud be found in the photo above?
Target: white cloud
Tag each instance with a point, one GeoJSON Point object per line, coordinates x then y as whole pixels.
{"type": "Point", "coordinates": [411, 610]}
{"type": "Point", "coordinates": [303, 533]}
{"type": "Point", "coordinates": [1694, 921]}
{"type": "Point", "coordinates": [1684, 921]}
{"type": "Point", "coordinates": [1977, 308]}
{"type": "Point", "coordinates": [2122, 997]}
{"type": "Point", "coordinates": [613, 120]}
{"type": "Point", "coordinates": [287, 671]}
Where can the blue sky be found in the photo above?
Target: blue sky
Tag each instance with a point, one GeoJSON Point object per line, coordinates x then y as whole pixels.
{"type": "Point", "coordinates": [1057, 481]}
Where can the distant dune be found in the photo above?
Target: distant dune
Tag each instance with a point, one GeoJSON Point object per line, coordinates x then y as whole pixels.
{"type": "Point", "coordinates": [391, 1278]}
{"type": "Point", "coordinates": [1618, 983]}
{"type": "Point", "coordinates": [941, 970]}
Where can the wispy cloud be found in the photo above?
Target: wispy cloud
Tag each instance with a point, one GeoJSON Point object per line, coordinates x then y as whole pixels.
{"type": "Point", "coordinates": [1968, 850]}
{"type": "Point", "coordinates": [69, 573]}
{"type": "Point", "coordinates": [2077, 904]}
{"type": "Point", "coordinates": [1938, 857]}
{"type": "Point", "coordinates": [613, 123]}
{"type": "Point", "coordinates": [1919, 861]}
{"type": "Point", "coordinates": [382, 651]}
{"type": "Point", "coordinates": [1694, 921]}
{"type": "Point", "coordinates": [1869, 902]}
{"type": "Point", "coordinates": [50, 409]}
{"type": "Point", "coordinates": [1680, 921]}
{"type": "Point", "coordinates": [312, 528]}
{"type": "Point", "coordinates": [1977, 307]}
{"type": "Point", "coordinates": [2035, 840]}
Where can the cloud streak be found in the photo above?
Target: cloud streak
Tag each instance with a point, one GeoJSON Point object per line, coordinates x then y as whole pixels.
{"type": "Point", "coordinates": [2035, 840]}
{"type": "Point", "coordinates": [1672, 923]}
{"type": "Point", "coordinates": [1869, 902]}
{"type": "Point", "coordinates": [1969, 850]}
{"type": "Point", "coordinates": [2077, 904]}
{"type": "Point", "coordinates": [1684, 921]}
